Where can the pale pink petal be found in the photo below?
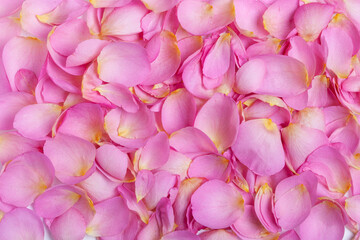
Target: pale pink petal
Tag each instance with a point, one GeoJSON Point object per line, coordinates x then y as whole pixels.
{"type": "Point", "coordinates": [216, 204]}
{"type": "Point", "coordinates": [119, 96]}
{"type": "Point", "coordinates": [99, 187]}
{"type": "Point", "coordinates": [248, 18]}
{"type": "Point", "coordinates": [352, 206]}
{"type": "Point", "coordinates": [248, 225]}
{"type": "Point", "coordinates": [331, 167]}
{"type": "Point", "coordinates": [310, 117]}
{"type": "Point", "coordinates": [178, 111]}
{"type": "Point", "coordinates": [64, 11]}
{"type": "Point", "coordinates": [12, 145]}
{"type": "Point", "coordinates": [56, 201]}
{"type": "Point", "coordinates": [167, 59]}
{"type": "Point", "coordinates": [299, 141]}
{"type": "Point", "coordinates": [133, 205]}
{"type": "Point", "coordinates": [250, 76]}
{"type": "Point", "coordinates": [67, 36]}
{"type": "Point", "coordinates": [189, 45]}
{"type": "Point", "coordinates": [9, 7]}
{"type": "Point", "coordinates": [159, 5]}
{"type": "Point", "coordinates": [109, 3]}
{"type": "Point", "coordinates": [310, 19]}
{"type": "Point", "coordinates": [302, 52]}
{"type": "Point", "coordinates": [164, 182]}
{"type": "Point", "coordinates": [30, 23]}
{"type": "Point", "coordinates": [278, 18]}
{"type": "Point", "coordinates": [155, 153]}
{"type": "Point", "coordinates": [298, 102]}
{"type": "Point", "coordinates": [218, 235]}
{"type": "Point", "coordinates": [111, 218]}
{"type": "Point", "coordinates": [23, 53]}
{"type": "Point", "coordinates": [143, 184]}
{"type": "Point", "coordinates": [204, 17]}
{"type": "Point", "coordinates": [130, 129]}
{"type": "Point", "coordinates": [84, 120]}
{"type": "Point", "coordinates": [264, 208]}
{"type": "Point", "coordinates": [319, 94]}
{"type": "Point", "coordinates": [178, 164]}
{"type": "Point", "coordinates": [209, 167]}
{"type": "Point", "coordinates": [217, 60]}
{"type": "Point", "coordinates": [182, 201]}
{"type": "Point", "coordinates": [339, 47]}
{"type": "Point", "coordinates": [124, 63]}
{"type": "Point", "coordinates": [36, 121]}
{"type": "Point", "coordinates": [219, 119]}
{"type": "Point", "coordinates": [72, 157]}
{"type": "Point", "coordinates": [292, 207]}
{"type": "Point", "coordinates": [281, 83]}
{"type": "Point", "coordinates": [85, 52]}
{"type": "Point", "coordinates": [26, 177]}
{"type": "Point", "coordinates": [10, 104]}
{"type": "Point", "coordinates": [25, 81]}
{"type": "Point", "coordinates": [124, 20]}
{"type": "Point", "coordinates": [47, 91]}
{"type": "Point", "coordinates": [258, 146]}
{"type": "Point", "coordinates": [293, 199]}
{"type": "Point", "coordinates": [71, 226]}
{"type": "Point", "coordinates": [21, 223]}
{"type": "Point", "coordinates": [112, 160]}
{"type": "Point", "coordinates": [181, 235]}
{"type": "Point", "coordinates": [289, 235]}
{"type": "Point", "coordinates": [353, 9]}
{"type": "Point", "coordinates": [324, 222]}
{"type": "Point", "coordinates": [151, 230]}
{"type": "Point", "coordinates": [64, 80]}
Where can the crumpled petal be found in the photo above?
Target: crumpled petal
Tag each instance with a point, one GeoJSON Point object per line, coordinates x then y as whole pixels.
{"type": "Point", "coordinates": [73, 158]}
{"type": "Point", "coordinates": [219, 119]}
{"type": "Point", "coordinates": [21, 223]}
{"type": "Point", "coordinates": [258, 146]}
{"type": "Point", "coordinates": [26, 177]}
{"type": "Point", "coordinates": [204, 17]}
{"type": "Point", "coordinates": [216, 204]}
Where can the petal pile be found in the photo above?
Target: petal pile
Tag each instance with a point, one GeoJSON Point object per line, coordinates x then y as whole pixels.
{"type": "Point", "coordinates": [179, 119]}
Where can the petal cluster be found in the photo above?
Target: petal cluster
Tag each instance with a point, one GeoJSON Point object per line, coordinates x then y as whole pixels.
{"type": "Point", "coordinates": [179, 119]}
